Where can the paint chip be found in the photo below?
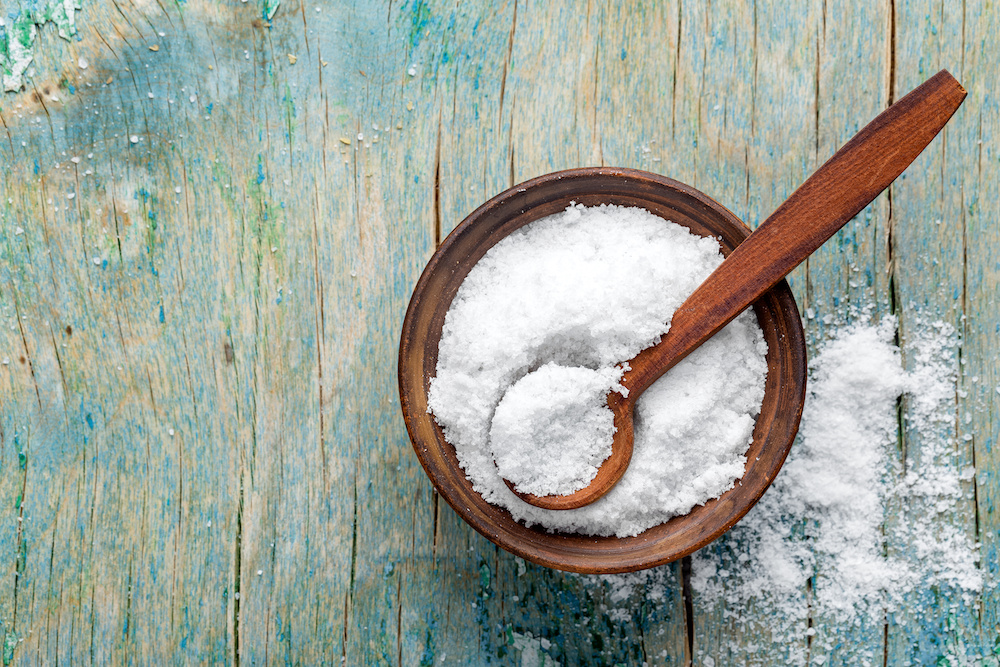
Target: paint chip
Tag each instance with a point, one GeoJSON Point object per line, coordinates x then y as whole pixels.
{"type": "Point", "coordinates": [345, 141]}
{"type": "Point", "coordinates": [292, 59]}
{"type": "Point", "coordinates": [154, 47]}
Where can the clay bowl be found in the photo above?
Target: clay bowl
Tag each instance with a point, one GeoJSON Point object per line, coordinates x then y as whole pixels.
{"type": "Point", "coordinates": [776, 426]}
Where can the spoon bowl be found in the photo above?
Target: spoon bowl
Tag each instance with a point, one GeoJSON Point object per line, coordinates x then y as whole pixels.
{"type": "Point", "coordinates": [776, 425]}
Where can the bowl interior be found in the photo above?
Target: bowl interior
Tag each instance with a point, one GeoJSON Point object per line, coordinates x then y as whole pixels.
{"type": "Point", "coordinates": [775, 429]}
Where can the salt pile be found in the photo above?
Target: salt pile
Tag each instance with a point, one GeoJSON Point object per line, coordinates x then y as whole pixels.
{"type": "Point", "coordinates": [590, 288]}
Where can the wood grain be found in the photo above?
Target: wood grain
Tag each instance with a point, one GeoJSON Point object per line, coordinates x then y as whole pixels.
{"type": "Point", "coordinates": [286, 427]}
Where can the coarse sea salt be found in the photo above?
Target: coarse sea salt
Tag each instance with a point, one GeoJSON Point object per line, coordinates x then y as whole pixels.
{"type": "Point", "coordinates": [589, 288]}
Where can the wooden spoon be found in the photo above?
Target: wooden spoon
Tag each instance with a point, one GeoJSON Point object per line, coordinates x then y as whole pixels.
{"type": "Point", "coordinates": [835, 193]}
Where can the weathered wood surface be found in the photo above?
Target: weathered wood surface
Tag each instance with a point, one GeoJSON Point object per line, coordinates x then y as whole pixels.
{"type": "Point", "coordinates": [201, 452]}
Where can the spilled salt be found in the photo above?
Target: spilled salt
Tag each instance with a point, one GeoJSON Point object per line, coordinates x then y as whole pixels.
{"type": "Point", "coordinates": [590, 288]}
{"type": "Point", "coordinates": [822, 542]}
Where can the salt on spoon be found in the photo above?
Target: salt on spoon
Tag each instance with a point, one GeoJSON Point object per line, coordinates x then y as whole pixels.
{"type": "Point", "coordinates": [865, 166]}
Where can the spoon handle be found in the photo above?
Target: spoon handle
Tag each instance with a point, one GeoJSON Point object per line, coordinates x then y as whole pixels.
{"type": "Point", "coordinates": [835, 193]}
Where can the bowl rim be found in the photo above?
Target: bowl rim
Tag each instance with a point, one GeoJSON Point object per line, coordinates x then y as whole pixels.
{"type": "Point", "coordinates": [536, 543]}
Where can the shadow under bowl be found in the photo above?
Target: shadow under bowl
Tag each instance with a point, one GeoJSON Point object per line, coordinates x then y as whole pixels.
{"type": "Point", "coordinates": [776, 425]}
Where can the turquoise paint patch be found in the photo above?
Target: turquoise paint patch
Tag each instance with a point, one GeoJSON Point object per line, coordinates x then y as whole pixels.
{"type": "Point", "coordinates": [268, 8]}
{"type": "Point", "coordinates": [17, 44]}
{"type": "Point", "coordinates": [420, 17]}
{"type": "Point", "coordinates": [161, 314]}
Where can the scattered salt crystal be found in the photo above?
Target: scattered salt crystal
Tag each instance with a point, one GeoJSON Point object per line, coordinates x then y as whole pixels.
{"type": "Point", "coordinates": [75, 160]}
{"type": "Point", "coordinates": [177, 189]}
{"type": "Point", "coordinates": [134, 139]}
{"type": "Point", "coordinates": [20, 230]}
{"type": "Point", "coordinates": [170, 431]}
{"type": "Point", "coordinates": [412, 71]}
{"type": "Point", "coordinates": [82, 63]}
{"type": "Point", "coordinates": [150, 95]}
{"type": "Point", "coordinates": [97, 261]}
{"type": "Point", "coordinates": [70, 195]}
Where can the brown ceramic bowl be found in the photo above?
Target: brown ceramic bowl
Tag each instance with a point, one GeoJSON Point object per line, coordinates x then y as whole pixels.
{"type": "Point", "coordinates": [776, 426]}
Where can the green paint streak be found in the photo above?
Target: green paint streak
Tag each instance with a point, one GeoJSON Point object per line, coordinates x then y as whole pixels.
{"type": "Point", "coordinates": [484, 577]}
{"type": "Point", "coordinates": [427, 659]}
{"type": "Point", "coordinates": [288, 102]}
{"type": "Point", "coordinates": [9, 644]}
{"type": "Point", "coordinates": [269, 7]}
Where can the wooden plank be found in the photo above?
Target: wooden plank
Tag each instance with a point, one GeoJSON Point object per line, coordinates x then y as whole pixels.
{"type": "Point", "coordinates": [932, 236]}
{"type": "Point", "coordinates": [846, 282]}
{"type": "Point", "coordinates": [756, 148]}
{"type": "Point", "coordinates": [979, 384]}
